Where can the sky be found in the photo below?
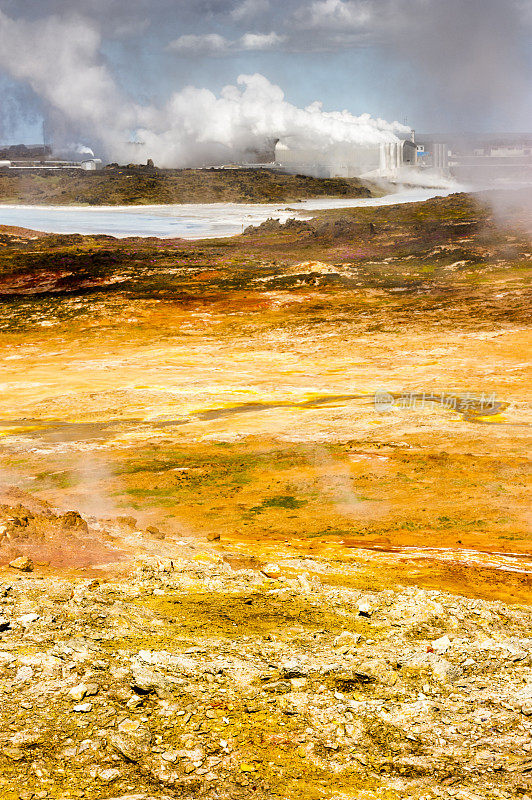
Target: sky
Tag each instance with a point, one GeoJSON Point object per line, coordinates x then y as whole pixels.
{"type": "Point", "coordinates": [101, 71]}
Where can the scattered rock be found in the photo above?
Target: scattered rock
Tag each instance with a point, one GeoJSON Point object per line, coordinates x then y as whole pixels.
{"type": "Point", "coordinates": [277, 687]}
{"type": "Point", "coordinates": [347, 640]}
{"type": "Point", "coordinates": [83, 708]}
{"type": "Point", "coordinates": [109, 775]}
{"type": "Point", "coordinates": [444, 671]}
{"type": "Point", "coordinates": [128, 726]}
{"type": "Point", "coordinates": [441, 645]}
{"type": "Point", "coordinates": [145, 680]}
{"type": "Point", "coordinates": [22, 563]}
{"type": "Point", "coordinates": [78, 692]}
{"type": "Point", "coordinates": [271, 570]}
{"type": "Point", "coordinates": [131, 749]}
{"type": "Point", "coordinates": [151, 530]}
{"type": "Point", "coordinates": [364, 608]}
{"type": "Point", "coordinates": [72, 520]}
{"type": "Point", "coordinates": [291, 669]}
{"type": "Point", "coordinates": [268, 665]}
{"type": "Point", "coordinates": [127, 521]}
{"type": "Point", "coordinates": [27, 619]}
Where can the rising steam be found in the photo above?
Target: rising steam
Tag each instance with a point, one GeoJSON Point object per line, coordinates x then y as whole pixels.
{"type": "Point", "coordinates": [60, 59]}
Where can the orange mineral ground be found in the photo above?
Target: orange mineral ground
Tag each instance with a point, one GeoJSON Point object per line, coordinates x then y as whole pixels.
{"type": "Point", "coordinates": [354, 386]}
{"type": "Point", "coordinates": [264, 511]}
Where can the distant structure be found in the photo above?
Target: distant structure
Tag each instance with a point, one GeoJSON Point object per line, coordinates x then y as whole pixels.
{"type": "Point", "coordinates": [39, 157]}
{"type": "Point", "coordinates": [478, 157]}
{"type": "Point", "coordinates": [344, 159]}
{"type": "Point", "coordinates": [91, 164]}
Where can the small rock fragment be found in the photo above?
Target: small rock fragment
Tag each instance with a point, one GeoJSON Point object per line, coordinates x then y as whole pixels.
{"type": "Point", "coordinates": [22, 563]}
{"type": "Point", "coordinates": [72, 520]}
{"type": "Point", "coordinates": [170, 755]}
{"type": "Point", "coordinates": [292, 669]}
{"type": "Point", "coordinates": [364, 608]}
{"type": "Point", "coordinates": [127, 521]}
{"type": "Point", "coordinates": [83, 708]}
{"type": "Point", "coordinates": [147, 680]}
{"type": "Point", "coordinates": [78, 692]}
{"type": "Point", "coordinates": [155, 532]}
{"type": "Point", "coordinates": [271, 570]}
{"type": "Point", "coordinates": [441, 645]}
{"type": "Point", "coordinates": [27, 619]}
{"type": "Point", "coordinates": [109, 775]}
{"type": "Point", "coordinates": [128, 726]}
{"type": "Point", "coordinates": [347, 639]}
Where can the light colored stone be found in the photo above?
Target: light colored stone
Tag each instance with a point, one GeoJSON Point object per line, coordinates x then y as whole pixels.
{"type": "Point", "coordinates": [27, 619]}
{"type": "Point", "coordinates": [271, 570]}
{"type": "Point", "coordinates": [78, 692]}
{"type": "Point", "coordinates": [129, 726]}
{"type": "Point", "coordinates": [22, 563]}
{"type": "Point", "coordinates": [23, 674]}
{"type": "Point", "coordinates": [347, 639]}
{"type": "Point", "coordinates": [83, 708]}
{"type": "Point", "coordinates": [364, 608]}
{"type": "Point", "coordinates": [109, 775]}
{"type": "Point", "coordinates": [170, 755]}
{"type": "Point", "coordinates": [441, 645]}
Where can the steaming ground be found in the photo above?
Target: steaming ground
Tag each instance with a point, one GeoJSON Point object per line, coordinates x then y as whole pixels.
{"type": "Point", "coordinates": [280, 339]}
{"type": "Point", "coordinates": [281, 583]}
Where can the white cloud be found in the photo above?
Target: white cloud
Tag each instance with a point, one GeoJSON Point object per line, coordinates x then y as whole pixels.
{"type": "Point", "coordinates": [201, 44]}
{"type": "Point", "coordinates": [335, 15]}
{"type": "Point", "coordinates": [260, 41]}
{"type": "Point", "coordinates": [214, 45]}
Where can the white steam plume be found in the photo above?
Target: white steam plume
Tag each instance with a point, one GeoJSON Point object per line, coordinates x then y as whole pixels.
{"type": "Point", "coordinates": [195, 124]}
{"type": "Point", "coordinates": [60, 59]}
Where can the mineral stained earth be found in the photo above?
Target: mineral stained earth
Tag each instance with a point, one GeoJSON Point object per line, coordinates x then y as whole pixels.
{"type": "Point", "coordinates": [264, 523]}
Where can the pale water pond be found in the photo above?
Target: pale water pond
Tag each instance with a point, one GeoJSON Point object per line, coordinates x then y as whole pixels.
{"type": "Point", "coordinates": [187, 221]}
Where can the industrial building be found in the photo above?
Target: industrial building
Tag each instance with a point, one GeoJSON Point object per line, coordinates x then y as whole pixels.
{"type": "Point", "coordinates": [88, 164]}
{"type": "Point", "coordinates": [478, 157]}
{"type": "Point", "coordinates": [39, 157]}
{"type": "Point", "coordinates": [345, 159]}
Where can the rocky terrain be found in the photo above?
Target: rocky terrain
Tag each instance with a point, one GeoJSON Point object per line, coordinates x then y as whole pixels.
{"type": "Point", "coordinates": [202, 672]}
{"type": "Point", "coordinates": [148, 186]}
{"type": "Point", "coordinates": [264, 511]}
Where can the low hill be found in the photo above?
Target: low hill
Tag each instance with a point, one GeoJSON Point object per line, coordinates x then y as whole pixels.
{"type": "Point", "coordinates": [145, 186]}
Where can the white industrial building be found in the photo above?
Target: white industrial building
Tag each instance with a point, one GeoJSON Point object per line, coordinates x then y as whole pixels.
{"type": "Point", "coordinates": [344, 159]}
{"type": "Point", "coordinates": [88, 165]}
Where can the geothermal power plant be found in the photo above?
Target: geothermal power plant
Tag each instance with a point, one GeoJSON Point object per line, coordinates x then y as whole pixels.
{"type": "Point", "coordinates": [464, 157]}
{"type": "Point", "coordinates": [346, 160]}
